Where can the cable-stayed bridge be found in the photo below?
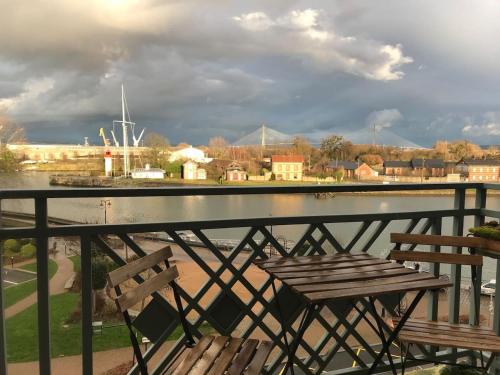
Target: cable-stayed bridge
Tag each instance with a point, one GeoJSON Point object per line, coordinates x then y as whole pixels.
{"type": "Point", "coordinates": [265, 136]}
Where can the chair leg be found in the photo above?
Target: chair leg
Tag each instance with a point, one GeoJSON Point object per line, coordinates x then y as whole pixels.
{"type": "Point", "coordinates": [403, 358]}
{"type": "Point", "coordinates": [490, 362]}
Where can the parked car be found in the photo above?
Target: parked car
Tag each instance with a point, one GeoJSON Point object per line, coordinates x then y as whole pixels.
{"type": "Point", "coordinates": [489, 287]}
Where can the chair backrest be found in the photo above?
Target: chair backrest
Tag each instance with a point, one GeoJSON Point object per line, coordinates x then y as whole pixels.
{"type": "Point", "coordinates": [435, 257]}
{"type": "Point", "coordinates": [472, 260]}
{"type": "Point", "coordinates": [134, 295]}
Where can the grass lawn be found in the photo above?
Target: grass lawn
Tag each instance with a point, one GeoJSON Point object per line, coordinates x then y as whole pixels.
{"type": "Point", "coordinates": [16, 293]}
{"type": "Point", "coordinates": [21, 330]}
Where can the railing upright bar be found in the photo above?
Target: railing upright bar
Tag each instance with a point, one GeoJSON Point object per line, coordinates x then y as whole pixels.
{"type": "Point", "coordinates": [432, 307]}
{"type": "Point", "coordinates": [3, 341]}
{"type": "Point", "coordinates": [86, 266]}
{"type": "Point", "coordinates": [456, 270]}
{"type": "Point", "coordinates": [475, 296]}
{"type": "Point", "coordinates": [42, 270]}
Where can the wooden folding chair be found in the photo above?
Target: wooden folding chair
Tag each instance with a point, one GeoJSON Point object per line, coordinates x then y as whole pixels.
{"type": "Point", "coordinates": [210, 355]}
{"type": "Point", "coordinates": [463, 336]}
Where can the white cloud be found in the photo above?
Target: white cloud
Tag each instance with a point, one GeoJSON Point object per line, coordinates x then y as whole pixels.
{"type": "Point", "coordinates": [489, 125]}
{"type": "Point", "coordinates": [384, 118]}
{"type": "Point", "coordinates": [31, 91]}
{"type": "Point", "coordinates": [256, 21]}
{"type": "Point", "coordinates": [307, 35]}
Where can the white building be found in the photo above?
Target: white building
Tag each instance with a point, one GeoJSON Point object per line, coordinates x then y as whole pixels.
{"type": "Point", "coordinates": [189, 153]}
{"type": "Point", "coordinates": [189, 170]}
{"type": "Point", "coordinates": [148, 172]}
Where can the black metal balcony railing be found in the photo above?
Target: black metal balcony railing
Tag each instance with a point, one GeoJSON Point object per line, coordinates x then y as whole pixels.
{"type": "Point", "coordinates": [229, 312]}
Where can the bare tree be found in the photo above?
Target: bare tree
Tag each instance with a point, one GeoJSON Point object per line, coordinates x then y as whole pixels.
{"type": "Point", "coordinates": [218, 147]}
{"type": "Point", "coordinates": [158, 144]}
{"type": "Point", "coordinates": [10, 132]}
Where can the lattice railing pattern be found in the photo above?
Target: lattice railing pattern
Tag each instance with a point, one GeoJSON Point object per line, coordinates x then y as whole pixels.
{"type": "Point", "coordinates": [233, 304]}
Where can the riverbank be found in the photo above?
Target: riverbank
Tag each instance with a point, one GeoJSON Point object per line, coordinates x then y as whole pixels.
{"type": "Point", "coordinates": [89, 181]}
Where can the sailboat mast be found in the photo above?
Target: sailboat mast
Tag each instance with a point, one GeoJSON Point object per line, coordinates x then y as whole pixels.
{"type": "Point", "coordinates": [125, 137]}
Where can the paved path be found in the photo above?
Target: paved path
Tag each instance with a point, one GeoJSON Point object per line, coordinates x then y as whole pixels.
{"type": "Point", "coordinates": [72, 365]}
{"type": "Point", "coordinates": [56, 285]}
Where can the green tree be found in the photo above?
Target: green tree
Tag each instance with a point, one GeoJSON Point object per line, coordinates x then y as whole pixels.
{"type": "Point", "coordinates": [28, 250]}
{"type": "Point", "coordinates": [8, 163]}
{"type": "Point", "coordinates": [11, 246]}
{"type": "Point", "coordinates": [331, 146]}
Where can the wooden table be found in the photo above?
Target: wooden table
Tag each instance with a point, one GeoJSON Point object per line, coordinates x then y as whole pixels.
{"type": "Point", "coordinates": [322, 278]}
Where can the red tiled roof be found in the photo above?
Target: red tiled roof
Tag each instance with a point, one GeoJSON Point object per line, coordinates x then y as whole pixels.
{"type": "Point", "coordinates": [287, 159]}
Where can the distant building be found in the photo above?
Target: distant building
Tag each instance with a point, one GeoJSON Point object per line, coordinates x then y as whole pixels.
{"type": "Point", "coordinates": [352, 169]}
{"type": "Point", "coordinates": [479, 170]}
{"type": "Point", "coordinates": [365, 171]}
{"type": "Point", "coordinates": [348, 166]}
{"type": "Point", "coordinates": [397, 168]}
{"type": "Point", "coordinates": [287, 167]}
{"type": "Point", "coordinates": [201, 174]}
{"type": "Point", "coordinates": [148, 172]}
{"type": "Point", "coordinates": [189, 153]}
{"type": "Point", "coordinates": [428, 167]}
{"type": "Point", "coordinates": [189, 169]}
{"type": "Point", "coordinates": [235, 172]}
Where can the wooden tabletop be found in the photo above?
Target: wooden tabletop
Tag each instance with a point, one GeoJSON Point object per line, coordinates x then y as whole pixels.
{"type": "Point", "coordinates": [345, 276]}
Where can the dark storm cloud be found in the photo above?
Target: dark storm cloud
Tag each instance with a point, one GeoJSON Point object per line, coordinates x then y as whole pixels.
{"type": "Point", "coordinates": [193, 69]}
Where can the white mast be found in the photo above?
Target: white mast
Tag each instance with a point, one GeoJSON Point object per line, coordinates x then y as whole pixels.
{"type": "Point", "coordinates": [125, 137]}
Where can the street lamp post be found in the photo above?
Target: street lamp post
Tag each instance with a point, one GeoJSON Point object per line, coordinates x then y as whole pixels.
{"type": "Point", "coordinates": [105, 203]}
{"type": "Point", "coordinates": [422, 172]}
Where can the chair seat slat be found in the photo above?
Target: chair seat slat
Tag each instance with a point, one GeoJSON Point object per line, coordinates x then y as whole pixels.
{"type": "Point", "coordinates": [436, 240]}
{"type": "Point", "coordinates": [434, 257]}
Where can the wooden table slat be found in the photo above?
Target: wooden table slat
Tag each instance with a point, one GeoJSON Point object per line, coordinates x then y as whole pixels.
{"type": "Point", "coordinates": [401, 279]}
{"type": "Point", "coordinates": [312, 259]}
{"type": "Point", "coordinates": [326, 266]}
{"type": "Point", "coordinates": [377, 290]}
{"type": "Point", "coordinates": [341, 271]}
{"type": "Point", "coordinates": [335, 278]}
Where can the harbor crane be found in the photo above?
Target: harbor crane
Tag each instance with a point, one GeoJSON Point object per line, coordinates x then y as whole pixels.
{"type": "Point", "coordinates": [138, 139]}
{"type": "Point", "coordinates": [104, 139]}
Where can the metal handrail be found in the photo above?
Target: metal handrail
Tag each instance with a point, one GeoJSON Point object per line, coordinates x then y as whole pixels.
{"type": "Point", "coordinates": [42, 231]}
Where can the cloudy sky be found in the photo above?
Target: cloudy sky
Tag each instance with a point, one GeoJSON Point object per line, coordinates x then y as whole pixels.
{"type": "Point", "coordinates": [426, 70]}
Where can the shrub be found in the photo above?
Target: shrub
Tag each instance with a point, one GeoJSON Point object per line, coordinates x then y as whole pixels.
{"type": "Point", "coordinates": [28, 251]}
{"type": "Point", "coordinates": [99, 273]}
{"type": "Point", "coordinates": [11, 246]}
{"type": "Point", "coordinates": [25, 241]}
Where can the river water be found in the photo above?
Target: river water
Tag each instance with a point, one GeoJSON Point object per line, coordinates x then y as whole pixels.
{"type": "Point", "coordinates": [135, 210]}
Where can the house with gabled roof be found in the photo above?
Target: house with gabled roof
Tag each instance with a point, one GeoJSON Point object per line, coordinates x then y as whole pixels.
{"type": "Point", "coordinates": [235, 172]}
{"type": "Point", "coordinates": [428, 167]}
{"type": "Point", "coordinates": [352, 169]}
{"type": "Point", "coordinates": [287, 167]}
{"type": "Point", "coordinates": [397, 168]}
{"type": "Point", "coordinates": [479, 170]}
